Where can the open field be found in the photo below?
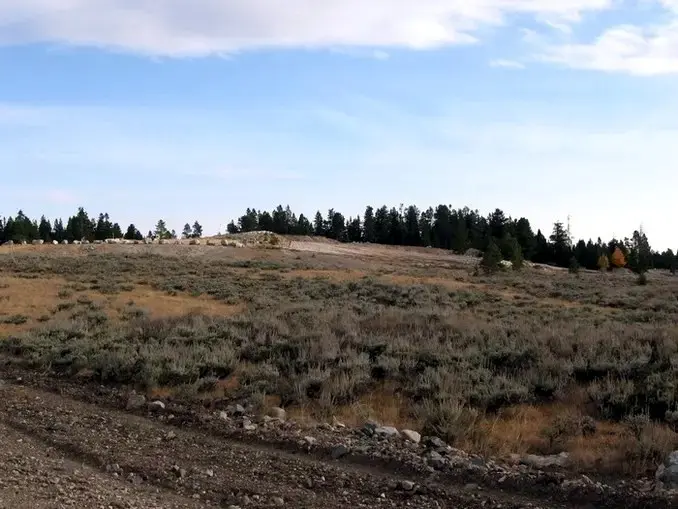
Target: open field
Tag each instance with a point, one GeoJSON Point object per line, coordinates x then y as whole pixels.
{"type": "Point", "coordinates": [540, 361]}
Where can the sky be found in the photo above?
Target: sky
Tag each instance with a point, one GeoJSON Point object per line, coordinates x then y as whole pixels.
{"type": "Point", "coordinates": [184, 110]}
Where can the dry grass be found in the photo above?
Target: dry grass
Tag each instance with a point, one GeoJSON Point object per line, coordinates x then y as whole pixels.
{"type": "Point", "coordinates": [512, 363]}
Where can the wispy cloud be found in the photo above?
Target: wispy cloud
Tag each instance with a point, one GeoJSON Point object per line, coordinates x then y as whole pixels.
{"type": "Point", "coordinates": [209, 27]}
{"type": "Point", "coordinates": [507, 64]}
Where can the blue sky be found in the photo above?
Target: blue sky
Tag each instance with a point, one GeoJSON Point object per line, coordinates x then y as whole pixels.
{"type": "Point", "coordinates": [197, 110]}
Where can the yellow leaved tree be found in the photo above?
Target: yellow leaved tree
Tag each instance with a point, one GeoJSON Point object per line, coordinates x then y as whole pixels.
{"type": "Point", "coordinates": [618, 259]}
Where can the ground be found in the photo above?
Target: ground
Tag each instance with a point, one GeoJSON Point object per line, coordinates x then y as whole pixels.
{"type": "Point", "coordinates": [539, 361]}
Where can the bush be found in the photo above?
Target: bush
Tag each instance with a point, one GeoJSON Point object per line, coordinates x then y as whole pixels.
{"type": "Point", "coordinates": [491, 258]}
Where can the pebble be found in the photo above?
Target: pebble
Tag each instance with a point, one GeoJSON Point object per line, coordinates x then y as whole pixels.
{"type": "Point", "coordinates": [339, 452]}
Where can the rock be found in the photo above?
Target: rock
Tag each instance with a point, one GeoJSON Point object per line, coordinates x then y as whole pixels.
{"type": "Point", "coordinates": [236, 410]}
{"type": "Point", "coordinates": [179, 472]}
{"type": "Point", "coordinates": [436, 460]}
{"type": "Point", "coordinates": [278, 501]}
{"type": "Point", "coordinates": [411, 436]}
{"type": "Point", "coordinates": [540, 462]}
{"type": "Point", "coordinates": [136, 401]}
{"type": "Point", "coordinates": [171, 435]}
{"type": "Point", "coordinates": [369, 428]}
{"type": "Point", "coordinates": [224, 416]}
{"type": "Point", "coordinates": [277, 413]}
{"type": "Point", "coordinates": [156, 406]}
{"type": "Point", "coordinates": [386, 431]}
{"type": "Point", "coordinates": [339, 452]}
{"type": "Point", "coordinates": [248, 425]}
{"type": "Point", "coordinates": [435, 443]}
{"type": "Point", "coordinates": [407, 485]}
{"type": "Point", "coordinates": [667, 473]}
{"type": "Point", "coordinates": [310, 441]}
{"type": "Point", "coordinates": [337, 424]}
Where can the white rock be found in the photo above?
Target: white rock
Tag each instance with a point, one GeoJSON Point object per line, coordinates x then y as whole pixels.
{"type": "Point", "coordinates": [411, 436]}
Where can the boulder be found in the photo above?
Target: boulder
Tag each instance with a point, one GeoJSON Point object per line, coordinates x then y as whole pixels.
{"type": "Point", "coordinates": [386, 431]}
{"type": "Point", "coordinates": [667, 473]}
{"type": "Point", "coordinates": [411, 436]}
{"type": "Point", "coordinates": [540, 462]}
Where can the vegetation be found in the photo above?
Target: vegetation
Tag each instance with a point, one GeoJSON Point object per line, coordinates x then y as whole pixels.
{"type": "Point", "coordinates": [457, 230]}
{"type": "Point", "coordinates": [457, 350]}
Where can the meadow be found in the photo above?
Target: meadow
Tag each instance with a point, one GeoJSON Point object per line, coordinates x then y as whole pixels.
{"type": "Point", "coordinates": [538, 360]}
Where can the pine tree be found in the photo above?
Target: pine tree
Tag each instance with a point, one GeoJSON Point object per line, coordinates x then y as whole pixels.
{"type": "Point", "coordinates": [412, 232]}
{"type": "Point", "coordinates": [45, 229]}
{"type": "Point", "coordinates": [197, 230]}
{"type": "Point", "coordinates": [369, 234]}
{"type": "Point", "coordinates": [187, 232]}
{"type": "Point", "coordinates": [319, 225]}
{"type": "Point", "coordinates": [59, 230]}
{"type": "Point", "coordinates": [491, 257]}
{"type": "Point", "coordinates": [132, 233]}
{"type": "Point", "coordinates": [640, 253]}
{"type": "Point", "coordinates": [161, 231]}
{"type": "Point", "coordinates": [230, 228]}
{"type": "Point", "coordinates": [516, 253]}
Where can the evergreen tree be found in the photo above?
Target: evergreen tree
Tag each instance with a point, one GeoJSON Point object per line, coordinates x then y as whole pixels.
{"type": "Point", "coordinates": [337, 226]}
{"type": "Point", "coordinates": [45, 230]}
{"type": "Point", "coordinates": [412, 232]}
{"type": "Point", "coordinates": [543, 252]}
{"type": "Point", "coordinates": [497, 222]}
{"type": "Point", "coordinates": [59, 230]}
{"type": "Point", "coordinates": [132, 233]}
{"type": "Point", "coordinates": [319, 225]}
{"type": "Point", "coordinates": [442, 227]}
{"type": "Point", "coordinates": [116, 231]}
{"type": "Point", "coordinates": [640, 254]}
{"type": "Point", "coordinates": [304, 226]}
{"type": "Point", "coordinates": [516, 253]}
{"type": "Point", "coordinates": [382, 232]}
{"type": "Point", "coordinates": [230, 228]}
{"type": "Point", "coordinates": [2, 230]}
{"type": "Point", "coordinates": [425, 224]}
{"type": "Point", "coordinates": [561, 244]}
{"type": "Point", "coordinates": [396, 228]}
{"type": "Point", "coordinates": [197, 230]}
{"type": "Point", "coordinates": [491, 257]}
{"type": "Point", "coordinates": [526, 238]}
{"type": "Point", "coordinates": [161, 231]}
{"type": "Point", "coordinates": [187, 232]}
{"type": "Point", "coordinates": [369, 231]}
{"type": "Point", "coordinates": [354, 231]}
{"type": "Point", "coordinates": [265, 222]}
{"type": "Point", "coordinates": [249, 222]}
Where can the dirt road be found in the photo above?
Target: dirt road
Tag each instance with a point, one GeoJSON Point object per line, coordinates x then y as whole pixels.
{"type": "Point", "coordinates": [57, 452]}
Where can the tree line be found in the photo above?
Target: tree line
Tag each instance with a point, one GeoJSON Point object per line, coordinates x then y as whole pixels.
{"type": "Point", "coordinates": [458, 230]}
{"type": "Point", "coordinates": [21, 228]}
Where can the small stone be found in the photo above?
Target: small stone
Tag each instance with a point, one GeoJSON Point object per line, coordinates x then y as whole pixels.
{"type": "Point", "coordinates": [179, 472]}
{"type": "Point", "coordinates": [337, 424]}
{"type": "Point", "coordinates": [135, 401]}
{"type": "Point", "coordinates": [279, 501]}
{"type": "Point", "coordinates": [209, 472]}
{"type": "Point", "coordinates": [407, 485]}
{"type": "Point", "coordinates": [411, 436]}
{"type": "Point", "coordinates": [310, 441]}
{"type": "Point", "coordinates": [237, 410]}
{"type": "Point", "coordinates": [171, 435]}
{"type": "Point", "coordinates": [156, 406]}
{"type": "Point", "coordinates": [224, 416]}
{"type": "Point", "coordinates": [339, 452]}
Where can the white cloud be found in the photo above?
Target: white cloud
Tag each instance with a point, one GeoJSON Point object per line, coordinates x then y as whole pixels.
{"type": "Point", "coordinates": [643, 51]}
{"type": "Point", "coordinates": [208, 27]}
{"type": "Point", "coordinates": [507, 64]}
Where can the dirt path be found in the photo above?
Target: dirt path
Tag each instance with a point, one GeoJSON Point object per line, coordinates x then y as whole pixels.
{"type": "Point", "coordinates": [57, 452]}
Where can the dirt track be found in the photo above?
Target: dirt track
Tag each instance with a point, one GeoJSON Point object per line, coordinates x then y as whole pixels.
{"type": "Point", "coordinates": [58, 452]}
